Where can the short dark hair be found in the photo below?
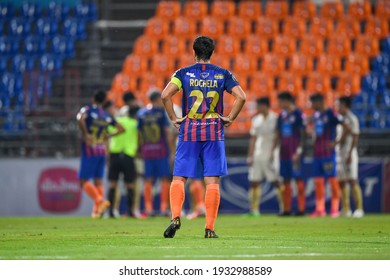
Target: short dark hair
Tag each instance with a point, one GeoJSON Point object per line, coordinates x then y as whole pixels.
{"type": "Point", "coordinates": [128, 96]}
{"type": "Point", "coordinates": [203, 47]}
{"type": "Point", "coordinates": [100, 96]}
{"type": "Point", "coordinates": [154, 95]}
{"type": "Point", "coordinates": [133, 110]}
{"type": "Point", "coordinates": [346, 101]}
{"type": "Point", "coordinates": [317, 97]}
{"type": "Point", "coordinates": [286, 96]}
{"type": "Point", "coordinates": [107, 104]}
{"type": "Point", "coordinates": [263, 101]}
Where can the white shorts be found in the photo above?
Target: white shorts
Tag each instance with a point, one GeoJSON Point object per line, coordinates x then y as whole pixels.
{"type": "Point", "coordinates": [262, 169]}
{"type": "Point", "coordinates": [139, 166]}
{"type": "Point", "coordinates": [345, 171]}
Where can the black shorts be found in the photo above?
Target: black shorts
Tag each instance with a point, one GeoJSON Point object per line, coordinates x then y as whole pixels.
{"type": "Point", "coordinates": [122, 164]}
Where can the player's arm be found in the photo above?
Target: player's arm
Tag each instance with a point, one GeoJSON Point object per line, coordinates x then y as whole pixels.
{"type": "Point", "coordinates": [81, 117]}
{"type": "Point", "coordinates": [240, 98]}
{"type": "Point", "coordinates": [119, 129]}
{"type": "Point", "coordinates": [170, 90]}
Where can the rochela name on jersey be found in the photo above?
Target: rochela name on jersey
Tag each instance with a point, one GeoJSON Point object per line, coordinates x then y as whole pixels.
{"type": "Point", "coordinates": [203, 83]}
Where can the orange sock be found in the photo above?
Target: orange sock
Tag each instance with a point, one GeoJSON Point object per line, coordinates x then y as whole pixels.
{"type": "Point", "coordinates": [100, 190]}
{"type": "Point", "coordinates": [197, 191]}
{"type": "Point", "coordinates": [301, 195]}
{"type": "Point", "coordinates": [92, 192]}
{"type": "Point", "coordinates": [287, 197]}
{"type": "Point", "coordinates": [148, 196]}
{"type": "Point", "coordinates": [164, 195]}
{"type": "Point", "coordinates": [177, 197]}
{"type": "Point", "coordinates": [335, 187]}
{"type": "Point", "coordinates": [212, 200]}
{"type": "Point", "coordinates": [320, 194]}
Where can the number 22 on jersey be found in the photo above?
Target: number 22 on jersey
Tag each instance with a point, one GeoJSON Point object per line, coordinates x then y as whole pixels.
{"type": "Point", "coordinates": [211, 114]}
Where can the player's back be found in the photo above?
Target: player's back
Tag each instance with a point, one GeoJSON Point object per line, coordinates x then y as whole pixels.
{"type": "Point", "coordinates": [290, 125]}
{"type": "Point", "coordinates": [203, 87]}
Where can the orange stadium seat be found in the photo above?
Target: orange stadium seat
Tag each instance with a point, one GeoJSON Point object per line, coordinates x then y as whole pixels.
{"type": "Point", "coordinates": [360, 9]}
{"type": "Point", "coordinates": [184, 27]}
{"type": "Point", "coordinates": [366, 45]}
{"type": "Point", "coordinates": [266, 27]}
{"type": "Point", "coordinates": [317, 82]}
{"type": "Point", "coordinates": [120, 84]}
{"type": "Point", "coordinates": [291, 82]}
{"type": "Point", "coordinates": [302, 100]}
{"type": "Point", "coordinates": [357, 63]}
{"type": "Point", "coordinates": [244, 64]}
{"type": "Point", "coordinates": [249, 9]}
{"type": "Point", "coordinates": [301, 64]}
{"type": "Point", "coordinates": [304, 9]}
{"type": "Point", "coordinates": [173, 46]}
{"type": "Point", "coordinates": [168, 9]}
{"type": "Point", "coordinates": [149, 81]}
{"type": "Point", "coordinates": [284, 45]}
{"type": "Point", "coordinates": [145, 45]}
{"type": "Point", "coordinates": [311, 45]}
{"type": "Point", "coordinates": [329, 64]}
{"type": "Point", "coordinates": [157, 27]}
{"type": "Point", "coordinates": [223, 61]}
{"type": "Point", "coordinates": [382, 9]}
{"type": "Point", "coordinates": [241, 77]}
{"type": "Point", "coordinates": [339, 45]}
{"type": "Point", "coordinates": [162, 64]}
{"type": "Point", "coordinates": [332, 10]}
{"type": "Point", "coordinates": [255, 46]}
{"type": "Point", "coordinates": [348, 84]}
{"type": "Point", "coordinates": [195, 10]}
{"type": "Point", "coordinates": [261, 83]}
{"type": "Point", "coordinates": [322, 26]}
{"type": "Point", "coordinates": [377, 27]}
{"type": "Point", "coordinates": [294, 26]}
{"type": "Point", "coordinates": [348, 27]}
{"type": "Point", "coordinates": [273, 64]}
{"type": "Point", "coordinates": [223, 9]}
{"type": "Point", "coordinates": [186, 60]}
{"type": "Point", "coordinates": [227, 45]}
{"type": "Point", "coordinates": [211, 26]}
{"type": "Point", "coordinates": [239, 27]}
{"type": "Point", "coordinates": [276, 9]}
{"type": "Point", "coordinates": [135, 65]}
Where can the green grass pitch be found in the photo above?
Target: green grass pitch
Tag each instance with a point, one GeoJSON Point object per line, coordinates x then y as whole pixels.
{"type": "Point", "coordinates": [266, 237]}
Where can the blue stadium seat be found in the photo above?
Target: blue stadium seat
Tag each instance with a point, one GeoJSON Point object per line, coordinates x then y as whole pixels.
{"type": "Point", "coordinates": [63, 47]}
{"type": "Point", "coordinates": [58, 10]}
{"type": "Point", "coordinates": [385, 100]}
{"type": "Point", "coordinates": [361, 114]}
{"type": "Point", "coordinates": [2, 28]}
{"type": "Point", "coordinates": [358, 102]}
{"type": "Point", "coordinates": [9, 46]}
{"type": "Point", "coordinates": [14, 122]}
{"type": "Point", "coordinates": [50, 63]}
{"type": "Point", "coordinates": [75, 28]}
{"type": "Point", "coordinates": [34, 46]}
{"type": "Point", "coordinates": [385, 45]}
{"type": "Point", "coordinates": [381, 63]}
{"type": "Point", "coordinates": [19, 27]}
{"type": "Point", "coordinates": [12, 83]}
{"type": "Point", "coordinates": [22, 63]}
{"type": "Point", "coordinates": [86, 10]}
{"type": "Point", "coordinates": [47, 27]}
{"type": "Point", "coordinates": [6, 10]}
{"type": "Point", "coordinates": [3, 64]}
{"type": "Point", "coordinates": [373, 82]}
{"type": "Point", "coordinates": [31, 10]}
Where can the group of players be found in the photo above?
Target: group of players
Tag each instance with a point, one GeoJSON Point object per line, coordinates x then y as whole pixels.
{"type": "Point", "coordinates": [335, 157]}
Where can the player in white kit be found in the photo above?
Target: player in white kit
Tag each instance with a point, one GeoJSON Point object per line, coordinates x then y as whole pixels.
{"type": "Point", "coordinates": [348, 160]}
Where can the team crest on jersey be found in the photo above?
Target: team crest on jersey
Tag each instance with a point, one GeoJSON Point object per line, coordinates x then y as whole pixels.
{"type": "Point", "coordinates": [218, 76]}
{"type": "Point", "coordinates": [204, 75]}
{"type": "Point", "coordinates": [192, 75]}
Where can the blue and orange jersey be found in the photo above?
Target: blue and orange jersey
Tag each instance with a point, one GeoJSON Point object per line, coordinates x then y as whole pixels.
{"type": "Point", "coordinates": [152, 122]}
{"type": "Point", "coordinates": [290, 125]}
{"type": "Point", "coordinates": [202, 100]}
{"type": "Point", "coordinates": [325, 124]}
{"type": "Point", "coordinates": [97, 120]}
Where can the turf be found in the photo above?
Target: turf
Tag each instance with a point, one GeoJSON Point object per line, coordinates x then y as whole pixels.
{"type": "Point", "coordinates": [266, 237]}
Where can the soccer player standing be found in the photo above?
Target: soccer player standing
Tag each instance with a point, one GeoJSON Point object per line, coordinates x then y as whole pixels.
{"type": "Point", "coordinates": [290, 134]}
{"type": "Point", "coordinates": [348, 160]}
{"type": "Point", "coordinates": [93, 121]}
{"type": "Point", "coordinates": [325, 122]}
{"type": "Point", "coordinates": [201, 130]}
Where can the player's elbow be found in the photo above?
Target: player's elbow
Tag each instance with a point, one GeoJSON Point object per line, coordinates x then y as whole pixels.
{"type": "Point", "coordinates": [164, 96]}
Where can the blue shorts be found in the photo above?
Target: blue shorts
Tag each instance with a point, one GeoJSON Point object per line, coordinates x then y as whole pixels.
{"type": "Point", "coordinates": [211, 155]}
{"type": "Point", "coordinates": [92, 167]}
{"type": "Point", "coordinates": [157, 168]}
{"type": "Point", "coordinates": [324, 167]}
{"type": "Point", "coordinates": [289, 171]}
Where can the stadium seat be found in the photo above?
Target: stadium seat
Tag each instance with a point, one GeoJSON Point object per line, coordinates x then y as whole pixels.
{"type": "Point", "coordinates": [381, 63]}
{"type": "Point", "coordinates": [284, 45]}
{"type": "Point", "coordinates": [63, 47]}
{"type": "Point", "coordinates": [373, 82]}
{"type": "Point", "coordinates": [311, 45]}
{"type": "Point", "coordinates": [301, 64]}
{"type": "Point", "coordinates": [348, 27]}
{"type": "Point", "coordinates": [134, 65]}
{"type": "Point", "coordinates": [357, 64]}
{"type": "Point", "coordinates": [122, 83]}
{"type": "Point", "coordinates": [34, 45]}
{"type": "Point", "coordinates": [276, 9]}
{"type": "Point", "coordinates": [211, 26]}
{"type": "Point", "coordinates": [223, 9]}
{"type": "Point", "coordinates": [12, 83]}
{"type": "Point", "coordinates": [149, 81]}
{"type": "Point", "coordinates": [329, 64]}
{"type": "Point", "coordinates": [255, 46]}
{"type": "Point", "coordinates": [46, 27]}
{"type": "Point", "coordinates": [185, 60]}
{"type": "Point", "coordinates": [50, 63]}
{"type": "Point", "coordinates": [339, 46]}
{"type": "Point", "coordinates": [162, 64]}
{"type": "Point", "coordinates": [365, 45]}
{"type": "Point", "coordinates": [145, 45]}
{"type": "Point", "coordinates": [360, 9]}
{"type": "Point", "coordinates": [196, 10]}
{"type": "Point", "coordinates": [261, 83]}
{"type": "Point", "coordinates": [291, 82]}
{"type": "Point", "coordinates": [74, 28]}
{"type": "Point", "coordinates": [19, 27]}
{"type": "Point", "coordinates": [21, 63]}
{"type": "Point", "coordinates": [382, 9]}
{"type": "Point", "coordinates": [377, 27]}
{"type": "Point", "coordinates": [249, 9]}
{"type": "Point", "coordinates": [223, 61]}
{"type": "Point", "coordinates": [3, 63]}
{"type": "Point", "coordinates": [304, 9]}
{"type": "Point", "coordinates": [184, 27]}
{"type": "Point", "coordinates": [8, 46]}
{"type": "Point", "coordinates": [6, 10]}
{"type": "Point", "coordinates": [58, 10]}
{"type": "Point", "coordinates": [31, 10]}
{"type": "Point", "coordinates": [239, 27]}
{"type": "Point", "coordinates": [86, 10]}
{"type": "Point", "coordinates": [266, 27]}
{"type": "Point", "coordinates": [244, 65]}
{"type": "Point", "coordinates": [2, 26]}
{"type": "Point", "coordinates": [227, 45]}
{"type": "Point", "coordinates": [294, 27]}
{"type": "Point", "coordinates": [348, 84]}
{"type": "Point", "coordinates": [273, 64]}
{"type": "Point", "coordinates": [317, 82]}
{"type": "Point", "coordinates": [173, 46]}
{"type": "Point", "coordinates": [332, 10]}
{"type": "Point", "coordinates": [168, 9]}
{"type": "Point", "coordinates": [322, 26]}
{"type": "Point", "coordinates": [157, 28]}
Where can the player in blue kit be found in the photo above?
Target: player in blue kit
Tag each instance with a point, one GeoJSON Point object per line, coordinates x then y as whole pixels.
{"type": "Point", "coordinates": [201, 130]}
{"type": "Point", "coordinates": [93, 121]}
